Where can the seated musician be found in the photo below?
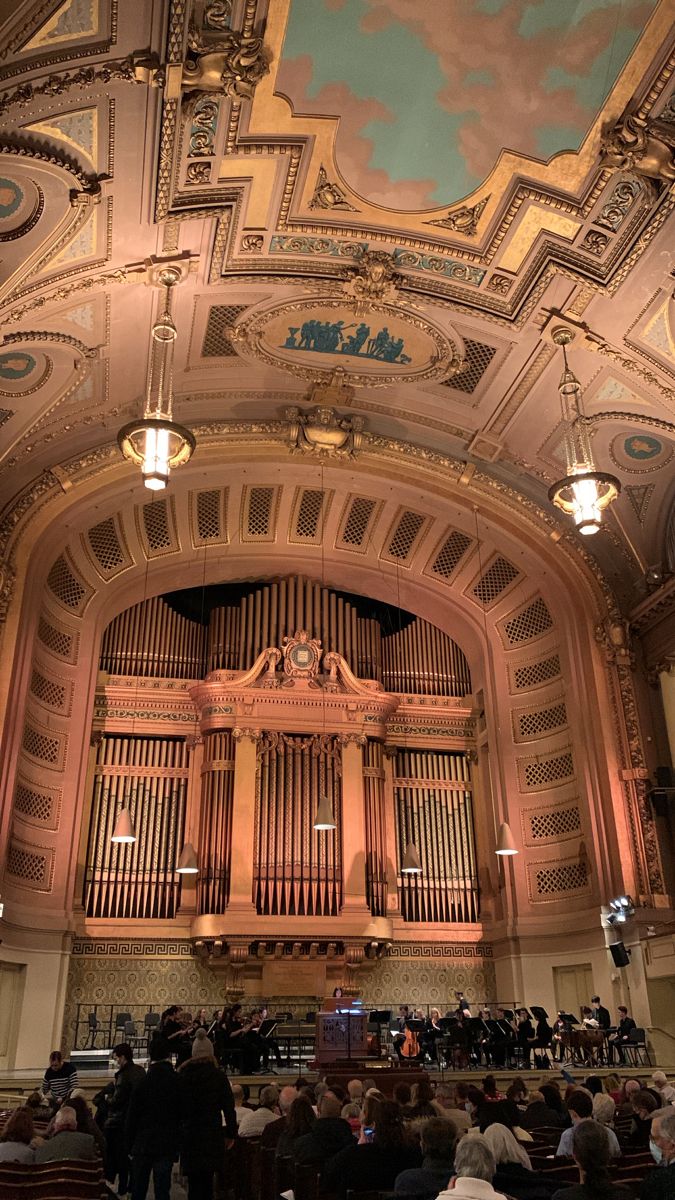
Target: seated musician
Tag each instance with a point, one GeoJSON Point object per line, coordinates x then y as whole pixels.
{"type": "Point", "coordinates": [600, 1013]}
{"type": "Point", "coordinates": [263, 1045]}
{"type": "Point", "coordinates": [399, 1037]}
{"type": "Point", "coordinates": [463, 1005]}
{"type": "Point", "coordinates": [543, 1036]}
{"type": "Point", "coordinates": [525, 1036]}
{"type": "Point", "coordinates": [237, 1038]}
{"type": "Point", "coordinates": [502, 1040]}
{"type": "Point", "coordinates": [616, 1041]}
{"type": "Point", "coordinates": [560, 1037]}
{"type": "Point", "coordinates": [587, 1019]}
{"type": "Point", "coordinates": [430, 1035]}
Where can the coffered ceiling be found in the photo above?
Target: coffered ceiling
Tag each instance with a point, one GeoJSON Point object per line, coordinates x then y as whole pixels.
{"type": "Point", "coordinates": [412, 193]}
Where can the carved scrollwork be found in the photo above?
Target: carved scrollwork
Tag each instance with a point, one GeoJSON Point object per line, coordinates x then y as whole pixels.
{"type": "Point", "coordinates": [641, 146]}
{"type": "Point", "coordinates": [232, 64]}
{"type": "Point", "coordinates": [328, 195]}
{"type": "Point", "coordinates": [324, 432]}
{"type": "Point", "coordinates": [374, 278]}
{"type": "Point", "coordinates": [463, 220]}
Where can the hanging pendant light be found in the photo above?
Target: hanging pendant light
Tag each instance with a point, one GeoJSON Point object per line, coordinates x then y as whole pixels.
{"type": "Point", "coordinates": [156, 443]}
{"type": "Point", "coordinates": [585, 492]}
{"type": "Point", "coordinates": [124, 832]}
{"type": "Point", "coordinates": [187, 862]}
{"type": "Point", "coordinates": [411, 864]}
{"type": "Point", "coordinates": [505, 843]}
{"type": "Point", "coordinates": [325, 818]}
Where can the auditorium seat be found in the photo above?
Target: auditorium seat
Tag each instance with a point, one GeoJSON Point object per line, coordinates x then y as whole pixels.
{"type": "Point", "coordinates": [67, 1180]}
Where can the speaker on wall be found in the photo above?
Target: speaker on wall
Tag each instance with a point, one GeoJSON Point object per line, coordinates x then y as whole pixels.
{"type": "Point", "coordinates": [619, 954]}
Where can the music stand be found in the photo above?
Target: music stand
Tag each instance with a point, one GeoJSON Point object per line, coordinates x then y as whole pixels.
{"type": "Point", "coordinates": [379, 1017]}
{"type": "Point", "coordinates": [570, 1018]}
{"type": "Point", "coordinates": [538, 1012]}
{"type": "Point", "coordinates": [267, 1027]}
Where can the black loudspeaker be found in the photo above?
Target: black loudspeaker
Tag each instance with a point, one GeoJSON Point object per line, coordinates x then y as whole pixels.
{"type": "Point", "coordinates": [619, 954]}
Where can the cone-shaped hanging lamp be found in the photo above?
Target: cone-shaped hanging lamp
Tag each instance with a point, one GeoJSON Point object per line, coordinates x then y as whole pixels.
{"type": "Point", "coordinates": [187, 862]}
{"type": "Point", "coordinates": [324, 818]}
{"type": "Point", "coordinates": [411, 864]}
{"type": "Point", "coordinates": [505, 842]}
{"type": "Point", "coordinates": [123, 832]}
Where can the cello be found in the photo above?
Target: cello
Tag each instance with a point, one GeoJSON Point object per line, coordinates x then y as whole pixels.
{"type": "Point", "coordinates": [410, 1047]}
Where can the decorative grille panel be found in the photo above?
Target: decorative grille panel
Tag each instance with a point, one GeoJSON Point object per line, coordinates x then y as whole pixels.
{"type": "Point", "coordinates": [499, 575]}
{"type": "Point", "coordinates": [65, 585]}
{"type": "Point", "coordinates": [56, 640]}
{"type": "Point", "coordinates": [208, 515]}
{"type": "Point", "coordinates": [536, 724]}
{"type": "Point", "coordinates": [530, 623]}
{"type": "Point", "coordinates": [538, 773]}
{"type": "Point", "coordinates": [105, 546]}
{"type": "Point", "coordinates": [48, 691]}
{"type": "Point", "coordinates": [404, 536]}
{"type": "Point", "coordinates": [450, 554]}
{"type": "Point", "coordinates": [571, 877]}
{"type": "Point", "coordinates": [29, 866]}
{"type": "Point", "coordinates": [260, 514]}
{"type": "Point", "coordinates": [41, 746]}
{"type": "Point", "coordinates": [216, 342]}
{"type": "Point", "coordinates": [35, 806]}
{"type": "Point", "coordinates": [478, 359]}
{"type": "Point", "coordinates": [308, 515]}
{"type": "Point", "coordinates": [556, 823]}
{"type": "Point", "coordinates": [358, 518]}
{"type": "Point", "coordinates": [532, 675]}
{"type": "Point", "coordinates": [156, 525]}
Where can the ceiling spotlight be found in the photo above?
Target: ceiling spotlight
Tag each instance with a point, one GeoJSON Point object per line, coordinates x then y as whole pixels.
{"type": "Point", "coordinates": [621, 909]}
{"type": "Point", "coordinates": [155, 442]}
{"type": "Point", "coordinates": [585, 492]}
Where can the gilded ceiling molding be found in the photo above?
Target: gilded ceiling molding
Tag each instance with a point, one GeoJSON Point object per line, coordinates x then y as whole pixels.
{"type": "Point", "coordinates": [640, 146]}
{"type": "Point", "coordinates": [463, 220]}
{"type": "Point", "coordinates": [133, 274]}
{"type": "Point", "coordinates": [329, 195]}
{"type": "Point", "coordinates": [57, 158]}
{"type": "Point", "coordinates": [120, 70]}
{"type": "Point", "coordinates": [64, 339]}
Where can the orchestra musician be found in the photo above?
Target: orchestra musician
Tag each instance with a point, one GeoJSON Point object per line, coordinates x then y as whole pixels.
{"type": "Point", "coordinates": [525, 1035]}
{"type": "Point", "coordinates": [430, 1035]}
{"type": "Point", "coordinates": [264, 1044]}
{"type": "Point", "coordinates": [237, 1038]}
{"type": "Point", "coordinates": [399, 1037]}
{"type": "Point", "coordinates": [600, 1014]}
{"type": "Point", "coordinates": [560, 1037]}
{"type": "Point", "coordinates": [543, 1036]}
{"type": "Point", "coordinates": [502, 1043]}
{"type": "Point", "coordinates": [462, 1004]}
{"type": "Point", "coordinates": [174, 1028]}
{"type": "Point", "coordinates": [623, 1031]}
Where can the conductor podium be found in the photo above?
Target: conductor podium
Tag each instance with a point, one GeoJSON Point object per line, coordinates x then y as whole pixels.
{"type": "Point", "coordinates": [341, 1031]}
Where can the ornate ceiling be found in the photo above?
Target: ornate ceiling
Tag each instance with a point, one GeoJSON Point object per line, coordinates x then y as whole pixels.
{"type": "Point", "coordinates": [350, 186]}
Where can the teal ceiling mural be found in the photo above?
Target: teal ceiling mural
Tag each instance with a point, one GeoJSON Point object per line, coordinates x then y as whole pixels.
{"type": "Point", "coordinates": [429, 91]}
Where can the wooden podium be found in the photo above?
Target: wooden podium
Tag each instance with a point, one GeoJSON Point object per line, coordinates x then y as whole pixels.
{"type": "Point", "coordinates": [340, 1035]}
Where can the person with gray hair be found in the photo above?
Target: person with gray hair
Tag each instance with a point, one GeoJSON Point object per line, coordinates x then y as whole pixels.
{"type": "Point", "coordinates": [65, 1141]}
{"type": "Point", "coordinates": [274, 1129]}
{"type": "Point", "coordinates": [660, 1184]}
{"type": "Point", "coordinates": [474, 1171]}
{"type": "Point", "coordinates": [254, 1121]}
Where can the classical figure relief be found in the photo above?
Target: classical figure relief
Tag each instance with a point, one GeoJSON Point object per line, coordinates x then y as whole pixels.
{"type": "Point", "coordinates": [374, 278]}
{"type": "Point", "coordinates": [231, 64]}
{"type": "Point", "coordinates": [323, 431]}
{"type": "Point", "coordinates": [644, 147]}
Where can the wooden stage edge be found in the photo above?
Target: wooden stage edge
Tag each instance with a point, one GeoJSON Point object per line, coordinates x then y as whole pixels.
{"type": "Point", "coordinates": [22, 1083]}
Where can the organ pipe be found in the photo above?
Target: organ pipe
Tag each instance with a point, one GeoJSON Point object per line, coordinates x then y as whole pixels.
{"type": "Point", "coordinates": [376, 848]}
{"type": "Point", "coordinates": [434, 809]}
{"type": "Point", "coordinates": [149, 776]}
{"type": "Point", "coordinates": [215, 832]}
{"type": "Point", "coordinates": [152, 640]}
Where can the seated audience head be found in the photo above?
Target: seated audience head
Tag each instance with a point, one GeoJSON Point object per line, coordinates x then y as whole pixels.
{"type": "Point", "coordinates": [490, 1086]}
{"type": "Point", "coordinates": [368, 1084]}
{"type": "Point", "coordinates": [643, 1104]}
{"type": "Point", "coordinates": [603, 1108]}
{"type": "Point", "coordinates": [591, 1152]}
{"type": "Point", "coordinates": [66, 1118]}
{"type": "Point", "coordinates": [388, 1126]}
{"type": "Point", "coordinates": [402, 1094]}
{"type": "Point", "coordinates": [269, 1097]}
{"type": "Point", "coordinates": [286, 1097]}
{"type": "Point", "coordinates": [461, 1093]}
{"type": "Point", "coordinates": [552, 1097]}
{"type": "Point", "coordinates": [474, 1159]}
{"type": "Point", "coordinates": [475, 1099]}
{"type": "Point", "coordinates": [421, 1092]}
{"type": "Point", "coordinates": [301, 1116]}
{"type": "Point", "coordinates": [660, 1080]}
{"type": "Point", "coordinates": [355, 1090]}
{"type": "Point", "coordinates": [444, 1095]}
{"type": "Point", "coordinates": [630, 1086]}
{"type": "Point", "coordinates": [371, 1108]}
{"type": "Point", "coordinates": [505, 1147]}
{"type": "Point", "coordinates": [82, 1112]}
{"type": "Point", "coordinates": [611, 1083]}
{"type": "Point", "coordinates": [580, 1105]}
{"type": "Point", "coordinates": [438, 1138]}
{"type": "Point", "coordinates": [517, 1092]}
{"type": "Point", "coordinates": [123, 1054]}
{"type": "Point", "coordinates": [320, 1090]}
{"type": "Point", "coordinates": [498, 1112]}
{"type": "Point", "coordinates": [351, 1110]}
{"type": "Point", "coordinates": [237, 1095]}
{"type": "Point", "coordinates": [329, 1105]}
{"type": "Point", "coordinates": [594, 1084]}
{"type": "Point", "coordinates": [663, 1133]}
{"type": "Point", "coordinates": [19, 1127]}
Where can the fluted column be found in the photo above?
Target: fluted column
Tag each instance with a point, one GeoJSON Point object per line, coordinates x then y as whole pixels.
{"type": "Point", "coordinates": [243, 821]}
{"type": "Point", "coordinates": [393, 900]}
{"type": "Point", "coordinates": [353, 825]}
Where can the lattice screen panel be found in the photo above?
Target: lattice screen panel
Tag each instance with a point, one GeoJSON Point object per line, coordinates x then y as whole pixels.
{"type": "Point", "coordinates": [37, 805]}
{"type": "Point", "coordinates": [403, 535]}
{"type": "Point", "coordinates": [449, 555]}
{"type": "Point", "coordinates": [67, 587]}
{"type": "Point", "coordinates": [216, 341]}
{"type": "Point", "coordinates": [552, 881]}
{"type": "Point", "coordinates": [478, 359]}
{"type": "Point", "coordinates": [44, 746]}
{"type": "Point", "coordinates": [106, 547]}
{"type": "Point", "coordinates": [551, 824]}
{"type": "Point", "coordinates": [358, 523]}
{"type": "Point", "coordinates": [534, 674]}
{"type": "Point", "coordinates": [551, 770]}
{"type": "Point", "coordinates": [531, 622]}
{"type": "Point", "coordinates": [30, 866]}
{"type": "Point", "coordinates": [495, 580]}
{"type": "Point", "coordinates": [50, 692]}
{"type": "Point", "coordinates": [532, 723]}
{"type": "Point", "coordinates": [310, 508]}
{"type": "Point", "coordinates": [208, 514]}
{"type": "Point", "coordinates": [259, 514]}
{"type": "Point", "coordinates": [58, 641]}
{"type": "Point", "coordinates": [158, 527]}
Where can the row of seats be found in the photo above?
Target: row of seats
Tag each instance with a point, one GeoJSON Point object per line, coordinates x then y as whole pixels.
{"type": "Point", "coordinates": [52, 1181]}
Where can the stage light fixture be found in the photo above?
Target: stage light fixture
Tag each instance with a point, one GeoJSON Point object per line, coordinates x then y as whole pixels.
{"type": "Point", "coordinates": [187, 862]}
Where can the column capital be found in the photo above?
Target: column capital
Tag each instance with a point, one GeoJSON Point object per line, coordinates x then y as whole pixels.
{"type": "Point", "coordinates": [352, 739]}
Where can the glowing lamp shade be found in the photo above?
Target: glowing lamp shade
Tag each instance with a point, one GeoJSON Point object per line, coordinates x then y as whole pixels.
{"type": "Point", "coordinates": [324, 818]}
{"type": "Point", "coordinates": [156, 445]}
{"type": "Point", "coordinates": [411, 864]}
{"type": "Point", "coordinates": [187, 862]}
{"type": "Point", "coordinates": [584, 497]}
{"type": "Point", "coordinates": [123, 833]}
{"type": "Point", "coordinates": [505, 842]}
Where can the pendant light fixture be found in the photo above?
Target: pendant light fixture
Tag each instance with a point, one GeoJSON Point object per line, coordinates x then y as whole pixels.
{"type": "Point", "coordinates": [157, 443]}
{"type": "Point", "coordinates": [585, 492]}
{"type": "Point", "coordinates": [187, 863]}
{"type": "Point", "coordinates": [411, 864]}
{"type": "Point", "coordinates": [505, 843]}
{"type": "Point", "coordinates": [124, 833]}
{"type": "Point", "coordinates": [325, 817]}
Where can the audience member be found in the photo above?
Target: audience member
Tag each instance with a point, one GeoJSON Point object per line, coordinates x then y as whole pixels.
{"type": "Point", "coordinates": [446, 1105]}
{"type": "Point", "coordinates": [274, 1129]}
{"type": "Point", "coordinates": [374, 1164]}
{"type": "Point", "coordinates": [351, 1113]}
{"type": "Point", "coordinates": [643, 1105]}
{"type": "Point", "coordinates": [421, 1097]}
{"type": "Point", "coordinates": [60, 1078]}
{"type": "Point", "coordinates": [152, 1125]}
{"type": "Point", "coordinates": [355, 1091]}
{"type": "Point", "coordinates": [254, 1121]}
{"type": "Point", "coordinates": [16, 1138]}
{"type": "Point", "coordinates": [624, 1103]}
{"type": "Point", "coordinates": [239, 1098]}
{"type": "Point", "coordinates": [551, 1093]}
{"type": "Point", "coordinates": [490, 1090]}
{"type": "Point", "coordinates": [590, 1149]}
{"type": "Point", "coordinates": [474, 1171]}
{"type": "Point", "coordinates": [612, 1085]}
{"type": "Point", "coordinates": [580, 1108]}
{"type": "Point", "coordinates": [538, 1113]}
{"type": "Point", "coordinates": [665, 1089]}
{"type": "Point", "coordinates": [40, 1105]}
{"type": "Point", "coordinates": [85, 1120]}
{"type": "Point", "coordinates": [660, 1183]}
{"type": "Point", "coordinates": [66, 1142]}
{"type": "Point", "coordinates": [301, 1118]}
{"type": "Point", "coordinates": [205, 1098]}
{"type": "Point", "coordinates": [604, 1109]}
{"type": "Point", "coordinates": [327, 1136]}
{"type": "Point", "coordinates": [593, 1084]}
{"type": "Point", "coordinates": [503, 1112]}
{"type": "Point", "coordinates": [127, 1077]}
{"type": "Point", "coordinates": [402, 1094]}
{"type": "Point", "coordinates": [438, 1138]}
{"type": "Point", "coordinates": [518, 1093]}
{"type": "Point", "coordinates": [513, 1174]}
{"type": "Point", "coordinates": [474, 1102]}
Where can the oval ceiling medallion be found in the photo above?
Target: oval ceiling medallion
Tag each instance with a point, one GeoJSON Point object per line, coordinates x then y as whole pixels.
{"type": "Point", "coordinates": [20, 207]}
{"type": "Point", "coordinates": [638, 453]}
{"type": "Point", "coordinates": [316, 336]}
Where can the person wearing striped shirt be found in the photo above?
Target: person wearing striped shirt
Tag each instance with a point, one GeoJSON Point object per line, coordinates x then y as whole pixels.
{"type": "Point", "coordinates": [60, 1078]}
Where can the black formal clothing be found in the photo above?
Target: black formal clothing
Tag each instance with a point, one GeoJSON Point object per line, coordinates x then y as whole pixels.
{"type": "Point", "coordinates": [580, 1191]}
{"type": "Point", "coordinates": [525, 1037]}
{"type": "Point", "coordinates": [204, 1096]}
{"type": "Point", "coordinates": [601, 1015]}
{"type": "Point", "coordinates": [249, 1059]}
{"type": "Point", "coordinates": [368, 1168]}
{"type": "Point", "coordinates": [513, 1179]}
{"type": "Point", "coordinates": [659, 1184]}
{"type": "Point", "coordinates": [127, 1079]}
{"type": "Point", "coordinates": [327, 1137]}
{"type": "Point", "coordinates": [153, 1130]}
{"type": "Point", "coordinates": [538, 1114]}
{"type": "Point", "coordinates": [425, 1182]}
{"type": "Point", "coordinates": [616, 1041]}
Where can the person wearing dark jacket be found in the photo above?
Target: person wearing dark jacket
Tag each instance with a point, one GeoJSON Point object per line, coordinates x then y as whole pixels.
{"type": "Point", "coordinates": [152, 1125]}
{"type": "Point", "coordinates": [328, 1135]}
{"type": "Point", "coordinates": [127, 1077]}
{"type": "Point", "coordinates": [538, 1114]}
{"type": "Point", "coordinates": [205, 1097]}
{"type": "Point", "coordinates": [591, 1154]}
{"type": "Point", "coordinates": [438, 1138]}
{"type": "Point", "coordinates": [373, 1166]}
